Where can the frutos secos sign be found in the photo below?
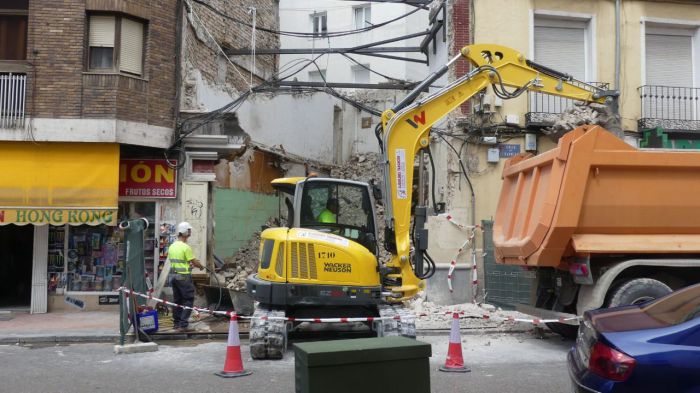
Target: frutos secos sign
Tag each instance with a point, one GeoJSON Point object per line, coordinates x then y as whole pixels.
{"type": "Point", "coordinates": [147, 179]}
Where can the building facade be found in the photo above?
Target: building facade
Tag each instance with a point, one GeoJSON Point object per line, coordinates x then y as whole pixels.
{"type": "Point", "coordinates": [93, 94]}
{"type": "Point", "coordinates": [657, 78]}
{"type": "Point", "coordinates": [330, 16]}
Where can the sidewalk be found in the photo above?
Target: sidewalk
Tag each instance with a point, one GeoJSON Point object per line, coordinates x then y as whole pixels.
{"type": "Point", "coordinates": [88, 326]}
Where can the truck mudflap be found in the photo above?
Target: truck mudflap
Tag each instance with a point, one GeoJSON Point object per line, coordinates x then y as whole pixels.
{"type": "Point", "coordinates": [541, 313]}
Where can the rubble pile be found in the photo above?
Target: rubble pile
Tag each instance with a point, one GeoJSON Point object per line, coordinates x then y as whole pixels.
{"type": "Point", "coordinates": [580, 114]}
{"type": "Point", "coordinates": [434, 316]}
{"type": "Point", "coordinates": [238, 267]}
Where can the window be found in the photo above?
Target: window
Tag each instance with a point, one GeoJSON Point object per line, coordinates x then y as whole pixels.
{"type": "Point", "coordinates": [316, 76]}
{"type": "Point", "coordinates": [363, 17]}
{"type": "Point", "coordinates": [360, 74]}
{"type": "Point", "coordinates": [339, 208]}
{"type": "Point", "coordinates": [563, 44]}
{"type": "Point", "coordinates": [13, 37]}
{"type": "Point", "coordinates": [669, 72]}
{"type": "Point", "coordinates": [319, 21]}
{"type": "Point", "coordinates": [106, 33]}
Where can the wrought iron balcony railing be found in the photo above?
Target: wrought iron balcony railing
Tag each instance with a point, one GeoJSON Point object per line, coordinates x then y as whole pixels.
{"type": "Point", "coordinates": [12, 100]}
{"type": "Point", "coordinates": [671, 108]}
{"type": "Point", "coordinates": [542, 109]}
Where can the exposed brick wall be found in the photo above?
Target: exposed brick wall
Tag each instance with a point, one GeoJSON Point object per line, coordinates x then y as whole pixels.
{"type": "Point", "coordinates": [57, 48]}
{"type": "Point", "coordinates": [461, 24]}
{"type": "Point", "coordinates": [201, 54]}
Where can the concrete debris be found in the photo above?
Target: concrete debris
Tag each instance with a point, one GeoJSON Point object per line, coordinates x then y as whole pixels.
{"type": "Point", "coordinates": [435, 316]}
{"type": "Point", "coordinates": [580, 114]}
{"type": "Point", "coordinates": [238, 267]}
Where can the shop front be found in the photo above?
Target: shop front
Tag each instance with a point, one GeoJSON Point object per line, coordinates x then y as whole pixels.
{"type": "Point", "coordinates": [45, 189]}
{"type": "Point", "coordinates": [86, 262]}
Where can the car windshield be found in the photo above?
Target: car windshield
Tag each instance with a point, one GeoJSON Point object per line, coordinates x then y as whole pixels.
{"type": "Point", "coordinates": [678, 307]}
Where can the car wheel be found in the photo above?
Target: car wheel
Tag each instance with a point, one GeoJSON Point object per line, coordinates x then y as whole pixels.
{"type": "Point", "coordinates": [563, 329]}
{"type": "Point", "coordinates": [637, 291]}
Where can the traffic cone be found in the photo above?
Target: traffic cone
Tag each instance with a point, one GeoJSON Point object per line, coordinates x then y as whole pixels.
{"type": "Point", "coordinates": [455, 362]}
{"type": "Point", "coordinates": [233, 366]}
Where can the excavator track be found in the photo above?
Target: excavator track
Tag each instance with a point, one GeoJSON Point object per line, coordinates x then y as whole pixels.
{"type": "Point", "coordinates": [404, 326]}
{"type": "Point", "coordinates": [268, 337]}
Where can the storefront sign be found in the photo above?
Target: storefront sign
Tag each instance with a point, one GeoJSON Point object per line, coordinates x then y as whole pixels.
{"type": "Point", "coordinates": [147, 179]}
{"type": "Point", "coordinates": [58, 216]}
{"type": "Point", "coordinates": [108, 299]}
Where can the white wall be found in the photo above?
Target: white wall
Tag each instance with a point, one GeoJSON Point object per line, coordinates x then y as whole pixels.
{"type": "Point", "coordinates": [295, 16]}
{"type": "Point", "coordinates": [303, 125]}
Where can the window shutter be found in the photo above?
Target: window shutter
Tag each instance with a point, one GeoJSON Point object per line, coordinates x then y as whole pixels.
{"type": "Point", "coordinates": [131, 51]}
{"type": "Point", "coordinates": [669, 60]}
{"type": "Point", "coordinates": [563, 49]}
{"type": "Point", "coordinates": [102, 31]}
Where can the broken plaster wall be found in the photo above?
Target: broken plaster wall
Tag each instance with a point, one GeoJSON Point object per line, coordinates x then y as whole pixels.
{"type": "Point", "coordinates": [209, 79]}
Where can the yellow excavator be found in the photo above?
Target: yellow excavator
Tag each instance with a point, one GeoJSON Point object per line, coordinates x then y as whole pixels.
{"type": "Point", "coordinates": [323, 262]}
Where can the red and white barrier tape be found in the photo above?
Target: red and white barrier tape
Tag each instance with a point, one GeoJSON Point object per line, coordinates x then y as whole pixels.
{"type": "Point", "coordinates": [453, 263]}
{"type": "Point", "coordinates": [495, 318]}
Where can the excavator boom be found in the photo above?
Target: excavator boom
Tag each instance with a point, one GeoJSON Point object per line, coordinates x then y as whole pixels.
{"type": "Point", "coordinates": [406, 130]}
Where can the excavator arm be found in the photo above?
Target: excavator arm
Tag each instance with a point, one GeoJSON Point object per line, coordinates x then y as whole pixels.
{"type": "Point", "coordinates": [406, 130]}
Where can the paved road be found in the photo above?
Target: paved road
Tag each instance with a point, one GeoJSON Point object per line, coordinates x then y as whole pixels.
{"type": "Point", "coordinates": [500, 363]}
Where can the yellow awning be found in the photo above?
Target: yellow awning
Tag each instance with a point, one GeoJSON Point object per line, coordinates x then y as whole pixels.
{"type": "Point", "coordinates": [58, 183]}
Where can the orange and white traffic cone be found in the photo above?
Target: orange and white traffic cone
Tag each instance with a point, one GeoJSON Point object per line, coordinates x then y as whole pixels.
{"type": "Point", "coordinates": [455, 362]}
{"type": "Point", "coordinates": [233, 366]}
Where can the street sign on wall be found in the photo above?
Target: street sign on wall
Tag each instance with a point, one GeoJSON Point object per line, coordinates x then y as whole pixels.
{"type": "Point", "coordinates": [147, 179]}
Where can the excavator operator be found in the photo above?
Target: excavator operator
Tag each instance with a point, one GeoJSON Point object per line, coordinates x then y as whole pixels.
{"type": "Point", "coordinates": [328, 215]}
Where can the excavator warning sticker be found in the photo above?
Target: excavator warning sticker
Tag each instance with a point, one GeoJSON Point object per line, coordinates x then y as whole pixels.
{"type": "Point", "coordinates": [401, 174]}
{"type": "Point", "coordinates": [325, 237]}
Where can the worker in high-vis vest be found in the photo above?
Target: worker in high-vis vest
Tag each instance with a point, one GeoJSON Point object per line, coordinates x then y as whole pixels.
{"type": "Point", "coordinates": [181, 261]}
{"type": "Point", "coordinates": [329, 214]}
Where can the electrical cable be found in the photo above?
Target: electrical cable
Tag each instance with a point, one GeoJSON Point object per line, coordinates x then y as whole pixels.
{"type": "Point", "coordinates": [461, 164]}
{"type": "Point", "coordinates": [432, 180]}
{"type": "Point", "coordinates": [304, 34]}
{"type": "Point", "coordinates": [373, 71]}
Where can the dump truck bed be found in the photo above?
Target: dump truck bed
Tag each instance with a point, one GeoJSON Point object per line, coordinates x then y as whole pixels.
{"type": "Point", "coordinates": [595, 194]}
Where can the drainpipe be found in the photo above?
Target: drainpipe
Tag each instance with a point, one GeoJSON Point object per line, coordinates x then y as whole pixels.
{"type": "Point", "coordinates": [617, 44]}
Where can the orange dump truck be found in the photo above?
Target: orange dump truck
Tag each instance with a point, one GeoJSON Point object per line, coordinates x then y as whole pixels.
{"type": "Point", "coordinates": [603, 223]}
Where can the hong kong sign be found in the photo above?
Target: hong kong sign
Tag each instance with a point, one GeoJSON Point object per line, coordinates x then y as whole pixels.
{"type": "Point", "coordinates": [147, 179]}
{"type": "Point", "coordinates": [58, 216]}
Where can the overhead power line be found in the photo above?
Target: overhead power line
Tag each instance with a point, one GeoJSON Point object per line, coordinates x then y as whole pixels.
{"type": "Point", "coordinates": [304, 34]}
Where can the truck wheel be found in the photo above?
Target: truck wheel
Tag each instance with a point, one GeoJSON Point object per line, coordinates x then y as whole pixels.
{"type": "Point", "coordinates": [637, 291]}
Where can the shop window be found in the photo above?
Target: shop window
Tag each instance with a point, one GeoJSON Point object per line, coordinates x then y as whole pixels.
{"type": "Point", "coordinates": [115, 43]}
{"type": "Point", "coordinates": [91, 258]}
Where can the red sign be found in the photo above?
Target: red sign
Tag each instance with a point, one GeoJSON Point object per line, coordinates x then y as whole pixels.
{"type": "Point", "coordinates": [147, 179]}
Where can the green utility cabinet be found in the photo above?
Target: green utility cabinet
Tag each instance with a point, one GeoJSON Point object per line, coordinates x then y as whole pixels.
{"type": "Point", "coordinates": [367, 365]}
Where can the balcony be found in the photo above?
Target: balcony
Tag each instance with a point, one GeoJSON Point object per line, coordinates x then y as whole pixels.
{"type": "Point", "coordinates": [544, 109]}
{"type": "Point", "coordinates": [674, 109]}
{"type": "Point", "coordinates": [12, 100]}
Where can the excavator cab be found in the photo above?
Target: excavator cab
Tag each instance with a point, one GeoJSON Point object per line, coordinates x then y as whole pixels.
{"type": "Point", "coordinates": [340, 207]}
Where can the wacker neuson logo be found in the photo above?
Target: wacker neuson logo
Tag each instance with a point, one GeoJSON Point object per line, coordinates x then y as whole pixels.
{"type": "Point", "coordinates": [337, 268]}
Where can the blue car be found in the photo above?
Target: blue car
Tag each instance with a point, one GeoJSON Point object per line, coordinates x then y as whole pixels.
{"type": "Point", "coordinates": [652, 347]}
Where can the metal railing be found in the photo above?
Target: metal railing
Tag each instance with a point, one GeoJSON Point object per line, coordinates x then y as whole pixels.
{"type": "Point", "coordinates": [670, 103]}
{"type": "Point", "coordinates": [675, 109]}
{"type": "Point", "coordinates": [12, 100]}
{"type": "Point", "coordinates": [546, 103]}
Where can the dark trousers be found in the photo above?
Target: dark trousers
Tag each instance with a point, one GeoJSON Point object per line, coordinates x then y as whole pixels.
{"type": "Point", "coordinates": [183, 293]}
